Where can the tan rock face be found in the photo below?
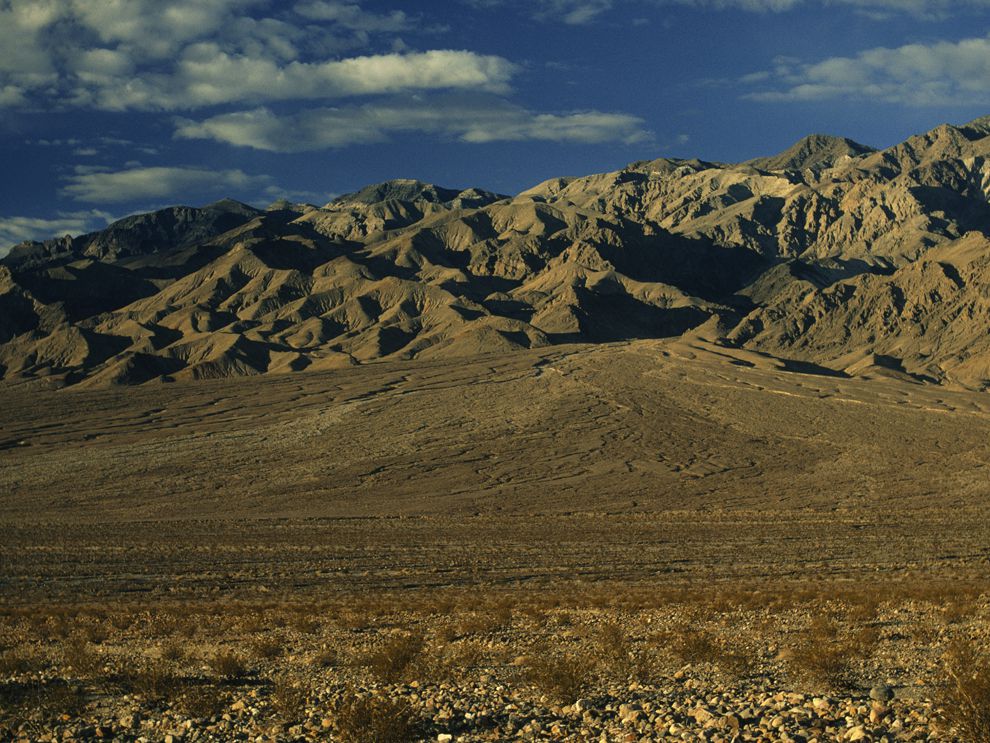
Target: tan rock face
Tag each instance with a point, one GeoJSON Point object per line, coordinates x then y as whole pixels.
{"type": "Point", "coordinates": [863, 261]}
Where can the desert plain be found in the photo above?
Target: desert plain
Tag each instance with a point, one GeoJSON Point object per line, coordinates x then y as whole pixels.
{"type": "Point", "coordinates": [654, 539]}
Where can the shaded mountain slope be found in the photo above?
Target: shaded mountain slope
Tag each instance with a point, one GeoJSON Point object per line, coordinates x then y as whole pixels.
{"type": "Point", "coordinates": [830, 253]}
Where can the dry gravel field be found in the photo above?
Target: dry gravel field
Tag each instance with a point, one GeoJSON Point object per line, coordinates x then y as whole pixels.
{"type": "Point", "coordinates": [632, 542]}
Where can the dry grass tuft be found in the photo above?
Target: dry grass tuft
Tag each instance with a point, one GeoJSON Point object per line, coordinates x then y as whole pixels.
{"type": "Point", "coordinates": [78, 656]}
{"type": "Point", "coordinates": [326, 658]}
{"type": "Point", "coordinates": [965, 696]}
{"type": "Point", "coordinates": [373, 719]}
{"type": "Point", "coordinates": [227, 664]}
{"type": "Point", "coordinates": [202, 701]}
{"type": "Point", "coordinates": [390, 662]}
{"type": "Point", "coordinates": [17, 662]}
{"type": "Point", "coordinates": [821, 658]}
{"type": "Point", "coordinates": [288, 701]}
{"type": "Point", "coordinates": [268, 648]}
{"type": "Point", "coordinates": [561, 676]}
{"type": "Point", "coordinates": [153, 680]}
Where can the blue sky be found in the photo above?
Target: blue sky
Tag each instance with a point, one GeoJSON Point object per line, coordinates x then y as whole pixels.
{"type": "Point", "coordinates": [108, 107]}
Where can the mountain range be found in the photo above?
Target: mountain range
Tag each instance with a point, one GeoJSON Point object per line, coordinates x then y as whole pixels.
{"type": "Point", "coordinates": [849, 260]}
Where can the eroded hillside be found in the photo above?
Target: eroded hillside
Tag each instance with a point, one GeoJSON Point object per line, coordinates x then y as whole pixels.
{"type": "Point", "coordinates": [857, 260]}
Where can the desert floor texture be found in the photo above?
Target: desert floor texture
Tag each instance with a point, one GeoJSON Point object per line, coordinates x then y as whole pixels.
{"type": "Point", "coordinates": [633, 541]}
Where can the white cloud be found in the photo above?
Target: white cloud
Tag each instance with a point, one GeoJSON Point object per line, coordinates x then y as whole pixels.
{"type": "Point", "coordinates": [926, 9]}
{"type": "Point", "coordinates": [879, 9]}
{"type": "Point", "coordinates": [474, 120]}
{"type": "Point", "coordinates": [942, 73]}
{"type": "Point", "coordinates": [351, 15]}
{"type": "Point", "coordinates": [99, 186]}
{"type": "Point", "coordinates": [14, 230]}
{"type": "Point", "coordinates": [573, 12]}
{"type": "Point", "coordinates": [177, 54]}
{"type": "Point", "coordinates": [206, 75]}
{"type": "Point", "coordinates": [585, 11]}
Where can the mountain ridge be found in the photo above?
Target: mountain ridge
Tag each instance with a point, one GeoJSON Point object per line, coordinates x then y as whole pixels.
{"type": "Point", "coordinates": [830, 253]}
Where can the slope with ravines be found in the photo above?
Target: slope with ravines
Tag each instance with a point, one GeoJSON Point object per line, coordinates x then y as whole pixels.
{"type": "Point", "coordinates": [862, 261]}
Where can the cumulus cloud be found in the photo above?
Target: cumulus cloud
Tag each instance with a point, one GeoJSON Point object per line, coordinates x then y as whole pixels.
{"type": "Point", "coordinates": [576, 12]}
{"type": "Point", "coordinates": [573, 12]}
{"type": "Point", "coordinates": [96, 185]}
{"type": "Point", "coordinates": [474, 120]}
{"type": "Point", "coordinates": [942, 73]}
{"type": "Point", "coordinates": [14, 230]}
{"type": "Point", "coordinates": [353, 16]}
{"type": "Point", "coordinates": [206, 75]}
{"type": "Point", "coordinates": [182, 54]}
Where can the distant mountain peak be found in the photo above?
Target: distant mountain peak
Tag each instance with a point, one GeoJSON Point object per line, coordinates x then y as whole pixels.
{"type": "Point", "coordinates": [813, 151]}
{"type": "Point", "coordinates": [412, 190]}
{"type": "Point", "coordinates": [230, 205]}
{"type": "Point", "coordinates": [977, 128]}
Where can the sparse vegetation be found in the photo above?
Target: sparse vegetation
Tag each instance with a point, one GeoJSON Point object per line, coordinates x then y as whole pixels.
{"type": "Point", "coordinates": [81, 658]}
{"type": "Point", "coordinates": [965, 699]}
{"type": "Point", "coordinates": [202, 701]}
{"type": "Point", "coordinates": [227, 664]}
{"type": "Point", "coordinates": [153, 680]}
{"type": "Point", "coordinates": [288, 700]}
{"type": "Point", "coordinates": [365, 718]}
{"type": "Point", "coordinates": [268, 648]}
{"type": "Point", "coordinates": [391, 660]}
{"type": "Point", "coordinates": [821, 658]}
{"type": "Point", "coordinates": [561, 675]}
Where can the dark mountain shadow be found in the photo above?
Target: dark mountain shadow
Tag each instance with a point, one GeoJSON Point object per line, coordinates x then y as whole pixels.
{"type": "Point", "coordinates": [87, 290]}
{"type": "Point", "coordinates": [619, 317]}
{"type": "Point", "coordinates": [695, 266]}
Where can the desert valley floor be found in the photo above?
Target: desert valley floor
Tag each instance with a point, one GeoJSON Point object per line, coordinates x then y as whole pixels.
{"type": "Point", "coordinates": [633, 477]}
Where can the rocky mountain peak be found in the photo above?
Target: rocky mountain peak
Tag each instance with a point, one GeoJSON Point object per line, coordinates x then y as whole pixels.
{"type": "Point", "coordinates": [815, 151]}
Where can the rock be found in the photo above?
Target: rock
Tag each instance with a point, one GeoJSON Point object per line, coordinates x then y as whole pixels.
{"type": "Point", "coordinates": [856, 733]}
{"type": "Point", "coordinates": [701, 715]}
{"type": "Point", "coordinates": [444, 738]}
{"type": "Point", "coordinates": [881, 693]}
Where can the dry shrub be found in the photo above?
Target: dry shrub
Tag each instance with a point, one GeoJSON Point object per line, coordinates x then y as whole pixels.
{"type": "Point", "coordinates": [697, 646]}
{"type": "Point", "coordinates": [81, 658]}
{"type": "Point", "coordinates": [173, 652]}
{"type": "Point", "coordinates": [202, 701]}
{"type": "Point", "coordinates": [305, 624]}
{"type": "Point", "coordinates": [821, 657]}
{"type": "Point", "coordinates": [481, 623]}
{"type": "Point", "coordinates": [864, 610]}
{"type": "Point", "coordinates": [268, 648]}
{"type": "Point", "coordinates": [390, 662]}
{"type": "Point", "coordinates": [965, 698]}
{"type": "Point", "coordinates": [153, 680]}
{"type": "Point", "coordinates": [161, 626]}
{"type": "Point", "coordinates": [122, 621]}
{"type": "Point", "coordinates": [227, 664]}
{"type": "Point", "coordinates": [445, 633]}
{"type": "Point", "coordinates": [55, 698]}
{"type": "Point", "coordinates": [187, 628]}
{"type": "Point", "coordinates": [354, 619]}
{"type": "Point", "coordinates": [449, 662]}
{"type": "Point", "coordinates": [614, 651]}
{"type": "Point", "coordinates": [373, 719]}
{"type": "Point", "coordinates": [288, 701]}
{"type": "Point", "coordinates": [646, 666]}
{"type": "Point", "coordinates": [694, 646]}
{"type": "Point", "coordinates": [326, 658]}
{"type": "Point", "coordinates": [95, 633]}
{"type": "Point", "coordinates": [561, 676]}
{"type": "Point", "coordinates": [957, 611]}
{"type": "Point", "coordinates": [15, 662]}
